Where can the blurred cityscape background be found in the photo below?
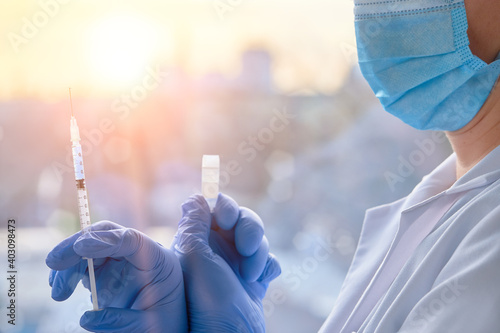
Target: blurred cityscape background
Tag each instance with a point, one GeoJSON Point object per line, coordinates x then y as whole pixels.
{"type": "Point", "coordinates": [268, 86]}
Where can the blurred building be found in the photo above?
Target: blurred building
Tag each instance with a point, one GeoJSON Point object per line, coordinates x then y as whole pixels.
{"type": "Point", "coordinates": [255, 76]}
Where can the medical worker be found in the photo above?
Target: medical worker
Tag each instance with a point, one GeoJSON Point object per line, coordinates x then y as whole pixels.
{"type": "Point", "coordinates": [429, 262]}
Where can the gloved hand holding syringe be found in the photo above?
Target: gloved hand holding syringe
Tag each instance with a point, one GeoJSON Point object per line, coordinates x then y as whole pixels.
{"type": "Point", "coordinates": [83, 202]}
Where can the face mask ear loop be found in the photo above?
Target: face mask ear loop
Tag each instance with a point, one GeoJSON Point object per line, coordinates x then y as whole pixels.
{"type": "Point", "coordinates": [497, 83]}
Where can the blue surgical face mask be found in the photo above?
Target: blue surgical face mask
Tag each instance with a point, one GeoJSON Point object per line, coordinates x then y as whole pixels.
{"type": "Point", "coordinates": [415, 55]}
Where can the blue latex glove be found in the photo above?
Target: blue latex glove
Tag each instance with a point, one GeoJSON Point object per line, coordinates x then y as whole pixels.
{"type": "Point", "coordinates": [226, 264]}
{"type": "Point", "coordinates": [139, 282]}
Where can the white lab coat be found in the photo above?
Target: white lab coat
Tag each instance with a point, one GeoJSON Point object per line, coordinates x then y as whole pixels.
{"type": "Point", "coordinates": [429, 262]}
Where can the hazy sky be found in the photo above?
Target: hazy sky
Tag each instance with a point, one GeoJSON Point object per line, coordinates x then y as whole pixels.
{"type": "Point", "coordinates": [99, 47]}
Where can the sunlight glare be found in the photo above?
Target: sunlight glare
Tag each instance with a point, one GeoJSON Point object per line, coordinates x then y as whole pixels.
{"type": "Point", "coordinates": [120, 48]}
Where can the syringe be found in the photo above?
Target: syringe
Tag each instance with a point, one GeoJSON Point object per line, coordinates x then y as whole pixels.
{"type": "Point", "coordinates": [83, 202]}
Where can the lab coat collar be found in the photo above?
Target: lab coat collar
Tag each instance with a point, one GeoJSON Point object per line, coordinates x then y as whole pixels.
{"type": "Point", "coordinates": [433, 184]}
{"type": "Point", "coordinates": [442, 180]}
{"type": "Point", "coordinates": [484, 173]}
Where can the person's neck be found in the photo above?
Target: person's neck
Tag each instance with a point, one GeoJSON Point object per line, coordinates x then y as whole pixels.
{"type": "Point", "coordinates": [480, 136]}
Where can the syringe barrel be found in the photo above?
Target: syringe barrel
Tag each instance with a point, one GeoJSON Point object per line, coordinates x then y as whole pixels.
{"type": "Point", "coordinates": [83, 208]}
{"type": "Point", "coordinates": [78, 161]}
{"type": "Point", "coordinates": [83, 202]}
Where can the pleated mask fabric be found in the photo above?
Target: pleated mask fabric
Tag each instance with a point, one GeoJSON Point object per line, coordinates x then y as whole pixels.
{"type": "Point", "coordinates": [415, 55]}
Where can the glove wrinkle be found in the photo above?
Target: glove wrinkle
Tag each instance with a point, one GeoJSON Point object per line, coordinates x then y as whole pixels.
{"type": "Point", "coordinates": [139, 283]}
{"type": "Point", "coordinates": [222, 266]}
